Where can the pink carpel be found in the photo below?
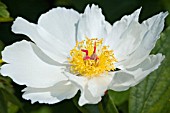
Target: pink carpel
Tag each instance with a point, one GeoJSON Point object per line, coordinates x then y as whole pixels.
{"type": "Point", "coordinates": [94, 55]}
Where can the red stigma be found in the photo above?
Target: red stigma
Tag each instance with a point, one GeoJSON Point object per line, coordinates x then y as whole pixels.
{"type": "Point", "coordinates": [94, 48]}
{"type": "Point", "coordinates": [86, 51]}
{"type": "Point", "coordinates": [86, 57]}
{"type": "Point", "coordinates": [93, 56]}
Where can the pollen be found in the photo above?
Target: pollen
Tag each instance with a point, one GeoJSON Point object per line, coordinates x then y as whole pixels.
{"type": "Point", "coordinates": [91, 58]}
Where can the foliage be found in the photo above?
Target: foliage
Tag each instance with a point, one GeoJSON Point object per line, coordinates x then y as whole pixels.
{"type": "Point", "coordinates": [4, 14]}
{"type": "Point", "coordinates": [151, 96]}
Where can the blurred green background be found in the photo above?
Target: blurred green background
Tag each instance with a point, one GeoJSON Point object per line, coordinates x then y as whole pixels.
{"type": "Point", "coordinates": [150, 96]}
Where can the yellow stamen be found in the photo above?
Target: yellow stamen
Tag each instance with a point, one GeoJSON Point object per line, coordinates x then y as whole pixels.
{"type": "Point", "coordinates": [1, 61]}
{"type": "Point", "coordinates": [93, 64]}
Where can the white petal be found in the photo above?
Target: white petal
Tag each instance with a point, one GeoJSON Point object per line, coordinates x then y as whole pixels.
{"type": "Point", "coordinates": [98, 85]}
{"type": "Point", "coordinates": [121, 81]}
{"type": "Point", "coordinates": [82, 83]}
{"type": "Point", "coordinates": [79, 81]}
{"type": "Point", "coordinates": [26, 68]}
{"type": "Point", "coordinates": [132, 76]}
{"type": "Point", "coordinates": [129, 41]}
{"type": "Point", "coordinates": [119, 29]}
{"type": "Point", "coordinates": [154, 27]}
{"type": "Point", "coordinates": [57, 51]}
{"type": "Point", "coordinates": [92, 24]}
{"type": "Point", "coordinates": [108, 27]}
{"type": "Point", "coordinates": [61, 23]}
{"type": "Point", "coordinates": [49, 44]}
{"type": "Point", "coordinates": [87, 98]}
{"type": "Point", "coordinates": [147, 66]}
{"type": "Point", "coordinates": [54, 94]}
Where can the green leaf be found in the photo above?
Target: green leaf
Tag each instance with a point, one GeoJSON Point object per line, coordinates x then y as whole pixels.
{"type": "Point", "coordinates": [108, 103]}
{"type": "Point", "coordinates": [119, 97]}
{"type": "Point", "coordinates": [2, 5]}
{"type": "Point", "coordinates": [12, 108]}
{"type": "Point", "coordinates": [9, 19]}
{"type": "Point", "coordinates": [105, 106]}
{"type": "Point", "coordinates": [4, 14]}
{"type": "Point", "coordinates": [153, 94]}
{"type": "Point", "coordinates": [91, 108]}
{"type": "Point", "coordinates": [5, 83]}
{"type": "Point", "coordinates": [43, 109]}
{"type": "Point", "coordinates": [3, 103]}
{"type": "Point", "coordinates": [166, 4]}
{"type": "Point", "coordinates": [10, 97]}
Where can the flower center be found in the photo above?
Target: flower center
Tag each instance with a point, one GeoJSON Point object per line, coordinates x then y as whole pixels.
{"type": "Point", "coordinates": [90, 58]}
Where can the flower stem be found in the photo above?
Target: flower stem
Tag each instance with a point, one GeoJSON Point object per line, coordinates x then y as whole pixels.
{"type": "Point", "coordinates": [108, 104]}
{"type": "Point", "coordinates": [100, 106]}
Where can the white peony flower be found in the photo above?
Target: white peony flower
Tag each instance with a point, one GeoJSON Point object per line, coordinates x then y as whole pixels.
{"type": "Point", "coordinates": [71, 51]}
